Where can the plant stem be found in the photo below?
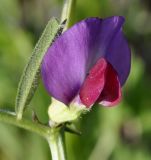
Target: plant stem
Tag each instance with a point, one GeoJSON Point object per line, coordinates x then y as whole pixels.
{"type": "Point", "coordinates": [67, 12]}
{"type": "Point", "coordinates": [54, 136]}
{"type": "Point", "coordinates": [10, 118]}
{"type": "Point", "coordinates": [56, 144]}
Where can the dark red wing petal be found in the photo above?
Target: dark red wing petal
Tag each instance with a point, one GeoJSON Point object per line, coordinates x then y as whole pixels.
{"type": "Point", "coordinates": [94, 83]}
{"type": "Point", "coordinates": [111, 94]}
{"type": "Point", "coordinates": [101, 85]}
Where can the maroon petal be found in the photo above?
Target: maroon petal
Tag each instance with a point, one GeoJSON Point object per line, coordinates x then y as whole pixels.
{"type": "Point", "coordinates": [111, 94]}
{"type": "Point", "coordinates": [101, 85]}
{"type": "Point", "coordinates": [94, 83]}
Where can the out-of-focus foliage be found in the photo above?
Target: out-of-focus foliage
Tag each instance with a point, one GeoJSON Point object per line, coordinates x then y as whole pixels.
{"type": "Point", "coordinates": [123, 132]}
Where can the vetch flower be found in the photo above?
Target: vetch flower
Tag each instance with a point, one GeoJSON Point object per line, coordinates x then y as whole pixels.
{"type": "Point", "coordinates": [88, 63]}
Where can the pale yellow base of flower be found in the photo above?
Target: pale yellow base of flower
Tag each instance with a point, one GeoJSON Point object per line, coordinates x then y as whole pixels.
{"type": "Point", "coordinates": [59, 113]}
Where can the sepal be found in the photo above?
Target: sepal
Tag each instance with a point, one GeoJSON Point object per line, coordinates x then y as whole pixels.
{"type": "Point", "coordinates": [59, 112]}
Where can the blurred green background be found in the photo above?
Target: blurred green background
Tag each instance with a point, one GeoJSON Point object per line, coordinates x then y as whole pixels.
{"type": "Point", "coordinates": [119, 133]}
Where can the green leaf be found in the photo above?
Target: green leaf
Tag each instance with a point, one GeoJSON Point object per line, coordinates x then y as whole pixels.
{"type": "Point", "coordinates": [29, 79]}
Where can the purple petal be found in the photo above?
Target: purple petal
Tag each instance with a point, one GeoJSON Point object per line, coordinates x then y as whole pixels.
{"type": "Point", "coordinates": [119, 55]}
{"type": "Point", "coordinates": [73, 54]}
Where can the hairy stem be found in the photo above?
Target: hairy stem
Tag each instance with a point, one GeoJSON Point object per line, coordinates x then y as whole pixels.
{"type": "Point", "coordinates": [54, 136]}
{"type": "Point", "coordinates": [10, 118]}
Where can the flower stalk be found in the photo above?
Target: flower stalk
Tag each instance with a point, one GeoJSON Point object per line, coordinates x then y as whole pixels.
{"type": "Point", "coordinates": [56, 144]}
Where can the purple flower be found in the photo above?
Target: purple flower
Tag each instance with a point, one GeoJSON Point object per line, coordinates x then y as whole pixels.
{"type": "Point", "coordinates": [89, 62]}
